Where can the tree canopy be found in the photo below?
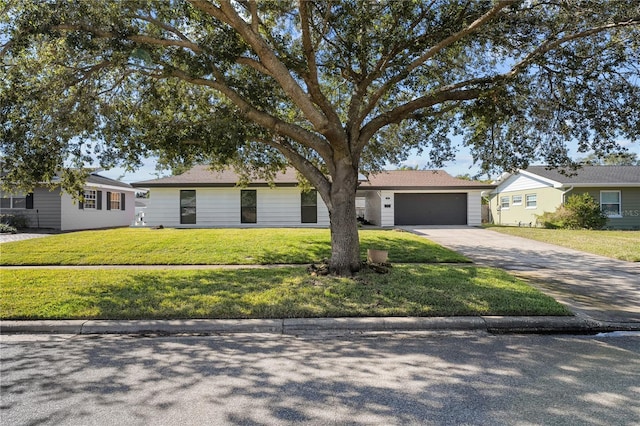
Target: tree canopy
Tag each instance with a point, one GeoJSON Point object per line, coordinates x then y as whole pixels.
{"type": "Point", "coordinates": [332, 88]}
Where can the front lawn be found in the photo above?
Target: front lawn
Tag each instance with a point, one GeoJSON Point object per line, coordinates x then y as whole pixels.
{"type": "Point", "coordinates": [144, 246]}
{"type": "Point", "coordinates": [408, 290]}
{"type": "Point", "coordinates": [623, 245]}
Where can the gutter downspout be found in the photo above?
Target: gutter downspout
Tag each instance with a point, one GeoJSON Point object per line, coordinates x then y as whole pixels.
{"type": "Point", "coordinates": [562, 196]}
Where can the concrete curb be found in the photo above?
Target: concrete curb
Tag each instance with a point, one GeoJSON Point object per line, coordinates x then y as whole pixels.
{"type": "Point", "coordinates": [297, 326]}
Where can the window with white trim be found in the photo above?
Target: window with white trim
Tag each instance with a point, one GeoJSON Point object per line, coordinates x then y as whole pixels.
{"type": "Point", "coordinates": [90, 198]}
{"type": "Point", "coordinates": [531, 201]}
{"type": "Point", "coordinates": [516, 200]}
{"type": "Point", "coordinates": [504, 202]}
{"type": "Point", "coordinates": [13, 201]}
{"type": "Point", "coordinates": [610, 203]}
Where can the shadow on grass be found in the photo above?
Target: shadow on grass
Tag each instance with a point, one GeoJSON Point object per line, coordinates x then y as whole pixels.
{"type": "Point", "coordinates": [408, 290]}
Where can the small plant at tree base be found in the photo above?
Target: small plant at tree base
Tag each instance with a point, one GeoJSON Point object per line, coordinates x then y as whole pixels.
{"type": "Point", "coordinates": [581, 211]}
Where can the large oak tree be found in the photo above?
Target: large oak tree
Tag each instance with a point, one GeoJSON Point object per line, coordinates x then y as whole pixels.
{"type": "Point", "coordinates": [331, 88]}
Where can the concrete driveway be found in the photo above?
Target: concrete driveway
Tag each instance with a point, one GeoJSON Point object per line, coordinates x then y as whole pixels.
{"type": "Point", "coordinates": [9, 238]}
{"type": "Point", "coordinates": [595, 286]}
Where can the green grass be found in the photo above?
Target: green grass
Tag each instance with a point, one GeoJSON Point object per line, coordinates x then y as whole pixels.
{"type": "Point", "coordinates": [143, 246]}
{"type": "Point", "coordinates": [623, 245]}
{"type": "Point", "coordinates": [408, 290]}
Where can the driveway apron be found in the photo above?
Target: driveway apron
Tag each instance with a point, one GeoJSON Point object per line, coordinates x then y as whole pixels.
{"type": "Point", "coordinates": [598, 287]}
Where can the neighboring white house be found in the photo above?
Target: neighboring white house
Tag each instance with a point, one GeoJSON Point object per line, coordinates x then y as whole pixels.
{"type": "Point", "coordinates": [107, 203]}
{"type": "Point", "coordinates": [203, 198]}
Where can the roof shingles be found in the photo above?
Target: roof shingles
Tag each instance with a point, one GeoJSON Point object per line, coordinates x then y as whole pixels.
{"type": "Point", "coordinates": [394, 179]}
{"type": "Point", "coordinates": [591, 175]}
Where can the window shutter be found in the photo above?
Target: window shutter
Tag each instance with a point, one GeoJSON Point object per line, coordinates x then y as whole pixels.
{"type": "Point", "coordinates": [80, 203]}
{"type": "Point", "coordinates": [99, 200]}
{"type": "Point", "coordinates": [123, 196]}
{"type": "Point", "coordinates": [108, 200]}
{"type": "Point", "coordinates": [29, 201]}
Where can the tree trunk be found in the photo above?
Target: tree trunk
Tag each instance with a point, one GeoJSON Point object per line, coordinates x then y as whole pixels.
{"type": "Point", "coordinates": [345, 244]}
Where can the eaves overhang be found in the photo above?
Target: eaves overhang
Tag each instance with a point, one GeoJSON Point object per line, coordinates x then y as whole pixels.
{"type": "Point", "coordinates": [425, 188]}
{"type": "Point", "coordinates": [210, 185]}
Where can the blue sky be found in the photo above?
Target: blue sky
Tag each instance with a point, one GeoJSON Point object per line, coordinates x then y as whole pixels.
{"type": "Point", "coordinates": [463, 164]}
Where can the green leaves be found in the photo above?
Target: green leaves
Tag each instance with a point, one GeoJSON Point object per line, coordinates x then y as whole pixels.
{"type": "Point", "coordinates": [193, 81]}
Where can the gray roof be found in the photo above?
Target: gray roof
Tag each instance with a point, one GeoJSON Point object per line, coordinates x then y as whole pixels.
{"type": "Point", "coordinates": [203, 176]}
{"type": "Point", "coordinates": [419, 179]}
{"type": "Point", "coordinates": [101, 180]}
{"type": "Point", "coordinates": [591, 175]}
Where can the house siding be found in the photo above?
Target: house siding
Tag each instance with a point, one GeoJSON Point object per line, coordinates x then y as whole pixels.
{"type": "Point", "coordinates": [74, 218]}
{"type": "Point", "coordinates": [46, 209]}
{"type": "Point", "coordinates": [387, 205]}
{"type": "Point", "coordinates": [548, 200]}
{"type": "Point", "coordinates": [387, 212]}
{"type": "Point", "coordinates": [630, 205]}
{"type": "Point", "coordinates": [220, 207]}
{"type": "Point", "coordinates": [474, 208]}
{"type": "Point", "coordinates": [373, 207]}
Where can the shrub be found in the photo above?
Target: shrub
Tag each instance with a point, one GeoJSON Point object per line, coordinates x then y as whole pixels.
{"type": "Point", "coordinates": [580, 211]}
{"type": "Point", "coordinates": [7, 229]}
{"type": "Point", "coordinates": [15, 220]}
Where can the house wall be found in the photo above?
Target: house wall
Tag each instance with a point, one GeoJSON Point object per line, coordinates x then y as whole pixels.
{"type": "Point", "coordinates": [46, 209]}
{"type": "Point", "coordinates": [220, 207]}
{"type": "Point", "coordinates": [630, 205]}
{"type": "Point", "coordinates": [548, 200]}
{"type": "Point", "coordinates": [474, 208]}
{"type": "Point", "coordinates": [372, 207]}
{"type": "Point", "coordinates": [387, 214]}
{"type": "Point", "coordinates": [74, 218]}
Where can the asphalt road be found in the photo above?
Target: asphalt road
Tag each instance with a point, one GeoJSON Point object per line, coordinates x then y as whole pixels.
{"type": "Point", "coordinates": [381, 379]}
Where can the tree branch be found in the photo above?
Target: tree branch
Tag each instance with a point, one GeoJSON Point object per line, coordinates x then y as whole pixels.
{"type": "Point", "coordinates": [550, 45]}
{"type": "Point", "coordinates": [297, 133]}
{"type": "Point", "coordinates": [403, 111]}
{"type": "Point", "coordinates": [162, 25]}
{"type": "Point", "coordinates": [134, 37]}
{"type": "Point", "coordinates": [304, 166]}
{"type": "Point", "coordinates": [226, 13]}
{"type": "Point", "coordinates": [430, 53]}
{"type": "Point", "coordinates": [312, 81]}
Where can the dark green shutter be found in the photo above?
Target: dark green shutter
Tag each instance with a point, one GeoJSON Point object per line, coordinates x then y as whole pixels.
{"type": "Point", "coordinates": [29, 201]}
{"type": "Point", "coordinates": [123, 196]}
{"type": "Point", "coordinates": [99, 200]}
{"type": "Point", "coordinates": [108, 200]}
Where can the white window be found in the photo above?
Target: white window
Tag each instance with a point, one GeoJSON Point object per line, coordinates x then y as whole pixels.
{"type": "Point", "coordinates": [517, 200]}
{"type": "Point", "coordinates": [90, 199]}
{"type": "Point", "coordinates": [114, 200]}
{"type": "Point", "coordinates": [531, 200]}
{"type": "Point", "coordinates": [610, 203]}
{"type": "Point", "coordinates": [504, 202]}
{"type": "Point", "coordinates": [17, 201]}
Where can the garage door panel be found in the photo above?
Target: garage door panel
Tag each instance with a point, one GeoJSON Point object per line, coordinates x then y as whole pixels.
{"type": "Point", "coordinates": [431, 209]}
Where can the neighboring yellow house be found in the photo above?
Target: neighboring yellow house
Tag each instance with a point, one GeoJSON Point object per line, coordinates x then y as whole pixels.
{"type": "Point", "coordinates": [521, 197]}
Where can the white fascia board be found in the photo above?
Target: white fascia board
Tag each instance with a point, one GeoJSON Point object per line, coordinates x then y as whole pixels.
{"type": "Point", "coordinates": [109, 187]}
{"type": "Point", "coordinates": [552, 182]}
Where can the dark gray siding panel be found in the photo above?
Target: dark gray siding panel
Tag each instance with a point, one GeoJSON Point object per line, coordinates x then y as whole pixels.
{"type": "Point", "coordinates": [46, 208]}
{"type": "Point", "coordinates": [431, 209]}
